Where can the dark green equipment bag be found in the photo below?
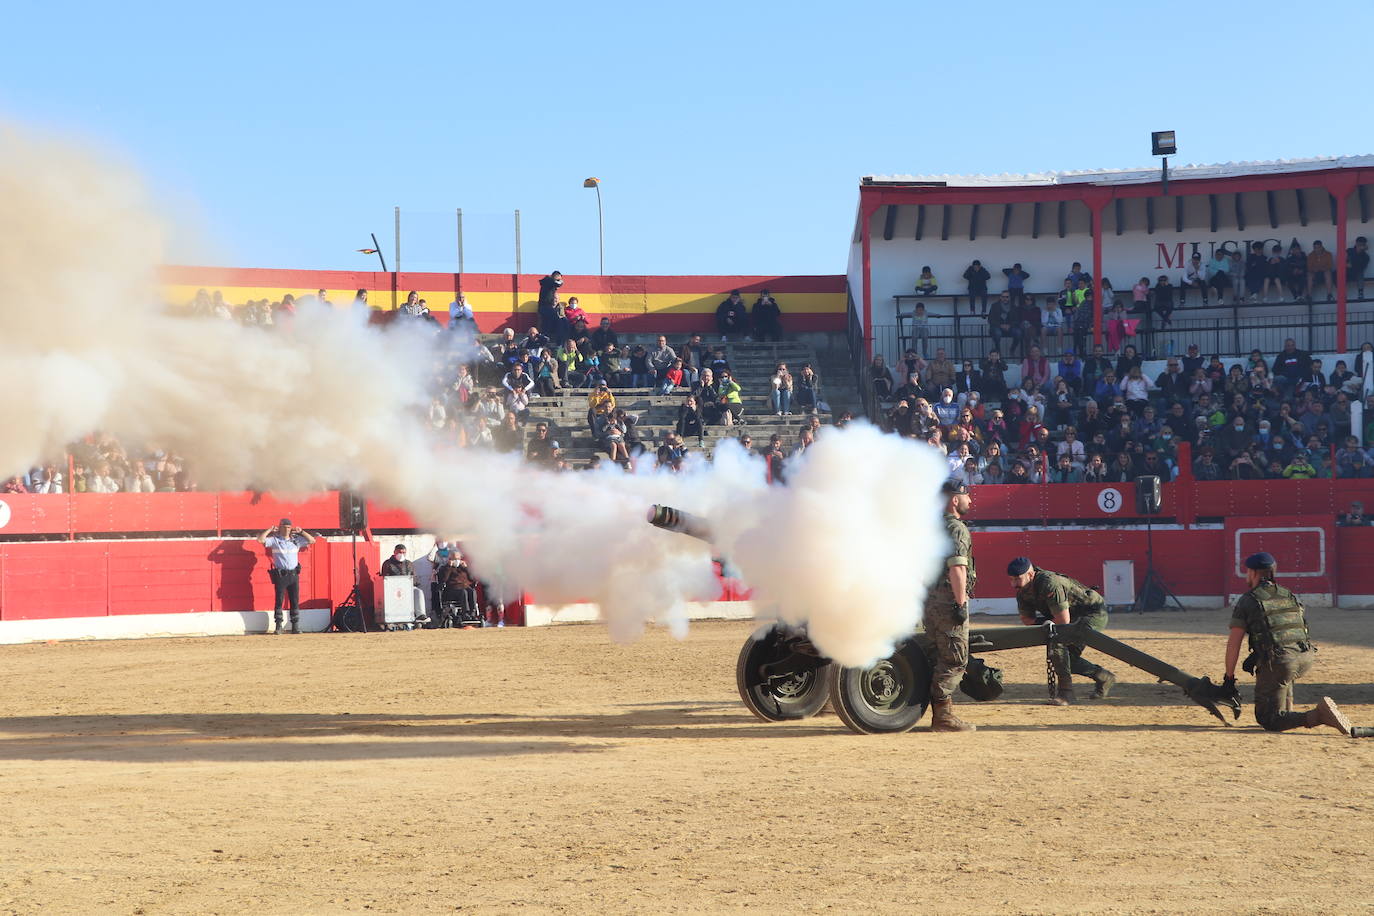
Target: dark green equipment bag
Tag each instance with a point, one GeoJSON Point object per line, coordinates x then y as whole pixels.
{"type": "Point", "coordinates": [981, 681]}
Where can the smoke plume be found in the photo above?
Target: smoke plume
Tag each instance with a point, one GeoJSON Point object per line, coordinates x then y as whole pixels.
{"type": "Point", "coordinates": [86, 344]}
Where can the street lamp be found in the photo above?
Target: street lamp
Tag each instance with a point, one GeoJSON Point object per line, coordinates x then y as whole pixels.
{"type": "Point", "coordinates": [1163, 143]}
{"type": "Point", "coordinates": [600, 222]}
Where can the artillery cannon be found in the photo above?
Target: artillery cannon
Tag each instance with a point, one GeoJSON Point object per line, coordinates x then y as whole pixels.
{"type": "Point", "coordinates": [782, 676]}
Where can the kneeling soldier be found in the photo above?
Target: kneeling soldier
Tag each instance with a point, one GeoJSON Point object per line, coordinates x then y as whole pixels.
{"type": "Point", "coordinates": [1272, 617]}
{"type": "Point", "coordinates": [1043, 596]}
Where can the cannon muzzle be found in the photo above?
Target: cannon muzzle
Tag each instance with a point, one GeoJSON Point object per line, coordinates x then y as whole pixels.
{"type": "Point", "coordinates": [670, 519]}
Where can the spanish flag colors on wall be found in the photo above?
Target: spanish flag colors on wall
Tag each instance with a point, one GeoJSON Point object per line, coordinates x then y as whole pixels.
{"type": "Point", "coordinates": [634, 303]}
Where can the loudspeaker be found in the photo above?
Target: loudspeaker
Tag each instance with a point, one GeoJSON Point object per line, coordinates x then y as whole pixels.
{"type": "Point", "coordinates": [352, 511]}
{"type": "Point", "coordinates": [1147, 496]}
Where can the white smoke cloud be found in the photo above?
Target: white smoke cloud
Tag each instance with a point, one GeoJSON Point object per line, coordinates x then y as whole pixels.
{"type": "Point", "coordinates": [85, 344]}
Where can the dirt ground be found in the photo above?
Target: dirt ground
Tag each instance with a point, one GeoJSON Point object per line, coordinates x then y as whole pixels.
{"type": "Point", "coordinates": [549, 770]}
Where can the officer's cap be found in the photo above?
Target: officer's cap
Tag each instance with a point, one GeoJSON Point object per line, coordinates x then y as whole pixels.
{"type": "Point", "coordinates": [953, 486]}
{"type": "Point", "coordinates": [1260, 560]}
{"type": "Point", "coordinates": [1019, 566]}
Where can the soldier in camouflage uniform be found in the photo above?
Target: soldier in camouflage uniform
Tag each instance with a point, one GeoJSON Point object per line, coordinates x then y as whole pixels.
{"type": "Point", "coordinates": [1043, 596]}
{"type": "Point", "coordinates": [946, 613]}
{"type": "Point", "coordinates": [1273, 620]}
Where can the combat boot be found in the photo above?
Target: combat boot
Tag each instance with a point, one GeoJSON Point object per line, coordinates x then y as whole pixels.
{"type": "Point", "coordinates": [1105, 682]}
{"type": "Point", "coordinates": [276, 627]}
{"type": "Point", "coordinates": [1064, 697]}
{"type": "Point", "coordinates": [1327, 713]}
{"type": "Point", "coordinates": [295, 623]}
{"type": "Point", "coordinates": [943, 719]}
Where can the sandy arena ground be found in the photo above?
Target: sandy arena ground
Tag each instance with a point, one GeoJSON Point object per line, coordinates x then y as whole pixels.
{"type": "Point", "coordinates": [548, 770]}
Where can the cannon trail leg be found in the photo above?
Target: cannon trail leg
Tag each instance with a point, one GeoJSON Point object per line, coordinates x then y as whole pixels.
{"type": "Point", "coordinates": [1200, 690]}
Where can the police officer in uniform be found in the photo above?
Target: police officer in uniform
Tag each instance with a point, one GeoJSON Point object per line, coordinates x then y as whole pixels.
{"type": "Point", "coordinates": [1043, 596]}
{"type": "Point", "coordinates": [946, 613]}
{"type": "Point", "coordinates": [285, 542]}
{"type": "Point", "coordinates": [1273, 620]}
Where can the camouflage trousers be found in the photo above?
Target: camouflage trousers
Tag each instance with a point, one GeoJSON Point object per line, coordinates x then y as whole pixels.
{"type": "Point", "coordinates": [1274, 680]}
{"type": "Point", "coordinates": [1063, 660]}
{"type": "Point", "coordinates": [950, 637]}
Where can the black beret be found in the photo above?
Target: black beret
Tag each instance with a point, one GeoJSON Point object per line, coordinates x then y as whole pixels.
{"type": "Point", "coordinates": [1019, 566]}
{"type": "Point", "coordinates": [1260, 560]}
{"type": "Point", "coordinates": [952, 486]}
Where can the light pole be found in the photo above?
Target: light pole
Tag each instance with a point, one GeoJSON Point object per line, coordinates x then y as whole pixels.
{"type": "Point", "coordinates": [600, 222]}
{"type": "Point", "coordinates": [1163, 143]}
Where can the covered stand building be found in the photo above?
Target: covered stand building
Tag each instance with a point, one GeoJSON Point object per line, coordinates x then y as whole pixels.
{"type": "Point", "coordinates": [1119, 225]}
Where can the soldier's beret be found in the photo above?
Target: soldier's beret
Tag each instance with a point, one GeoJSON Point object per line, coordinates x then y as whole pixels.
{"type": "Point", "coordinates": [1260, 560]}
{"type": "Point", "coordinates": [953, 486]}
{"type": "Point", "coordinates": [1019, 566]}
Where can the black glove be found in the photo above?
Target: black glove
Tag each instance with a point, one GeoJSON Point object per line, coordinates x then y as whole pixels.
{"type": "Point", "coordinates": [961, 613]}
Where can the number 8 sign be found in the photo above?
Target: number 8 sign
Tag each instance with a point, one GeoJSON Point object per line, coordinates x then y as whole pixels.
{"type": "Point", "coordinates": [1109, 500]}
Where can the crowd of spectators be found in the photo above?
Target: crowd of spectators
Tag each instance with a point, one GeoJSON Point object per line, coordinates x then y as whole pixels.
{"type": "Point", "coordinates": [1063, 320]}
{"type": "Point", "coordinates": [1100, 419]}
{"type": "Point", "coordinates": [100, 463]}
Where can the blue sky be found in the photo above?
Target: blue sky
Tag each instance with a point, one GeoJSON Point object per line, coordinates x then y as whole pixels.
{"type": "Point", "coordinates": [730, 137]}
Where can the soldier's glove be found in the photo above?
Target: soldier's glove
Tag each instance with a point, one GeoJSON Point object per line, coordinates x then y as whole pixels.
{"type": "Point", "coordinates": [961, 613]}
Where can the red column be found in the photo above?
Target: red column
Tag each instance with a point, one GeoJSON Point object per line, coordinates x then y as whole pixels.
{"type": "Point", "coordinates": [1341, 187]}
{"type": "Point", "coordinates": [1096, 199]}
{"type": "Point", "coordinates": [866, 211]}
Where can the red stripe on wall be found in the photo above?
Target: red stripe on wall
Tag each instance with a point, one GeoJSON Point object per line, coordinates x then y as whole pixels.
{"type": "Point", "coordinates": [307, 281]}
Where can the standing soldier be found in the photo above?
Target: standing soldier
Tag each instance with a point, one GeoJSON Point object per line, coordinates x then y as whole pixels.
{"type": "Point", "coordinates": [946, 613]}
{"type": "Point", "coordinates": [1272, 617]}
{"type": "Point", "coordinates": [285, 542]}
{"type": "Point", "coordinates": [1043, 596]}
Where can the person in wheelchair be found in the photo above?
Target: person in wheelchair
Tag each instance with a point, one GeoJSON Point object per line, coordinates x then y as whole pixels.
{"type": "Point", "coordinates": [458, 595]}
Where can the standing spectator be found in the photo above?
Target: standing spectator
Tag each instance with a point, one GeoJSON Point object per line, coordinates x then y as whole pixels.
{"type": "Point", "coordinates": [1016, 283]}
{"type": "Point", "coordinates": [285, 542]}
{"type": "Point", "coordinates": [1140, 296]}
{"type": "Point", "coordinates": [1029, 324]}
{"type": "Point", "coordinates": [920, 329]}
{"type": "Point", "coordinates": [925, 283]}
{"type": "Point", "coordinates": [1356, 263]}
{"type": "Point", "coordinates": [977, 277]}
{"type": "Point", "coordinates": [1321, 269]}
{"type": "Point", "coordinates": [732, 319]}
{"type": "Point", "coordinates": [767, 317]}
{"type": "Point", "coordinates": [552, 319]}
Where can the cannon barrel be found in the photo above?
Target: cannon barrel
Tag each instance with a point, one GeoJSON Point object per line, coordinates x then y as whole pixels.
{"type": "Point", "coordinates": [670, 519]}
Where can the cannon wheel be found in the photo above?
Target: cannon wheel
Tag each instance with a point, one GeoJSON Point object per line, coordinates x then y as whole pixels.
{"type": "Point", "coordinates": [885, 698]}
{"type": "Point", "coordinates": [797, 695]}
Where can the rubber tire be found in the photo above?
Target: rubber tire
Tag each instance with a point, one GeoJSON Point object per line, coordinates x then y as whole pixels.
{"type": "Point", "coordinates": [765, 703]}
{"type": "Point", "coordinates": [910, 669]}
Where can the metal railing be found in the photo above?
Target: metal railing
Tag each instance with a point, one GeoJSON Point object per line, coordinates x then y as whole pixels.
{"type": "Point", "coordinates": [858, 358]}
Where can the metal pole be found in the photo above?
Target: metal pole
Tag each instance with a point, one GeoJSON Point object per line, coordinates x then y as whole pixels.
{"type": "Point", "coordinates": [1164, 176]}
{"type": "Point", "coordinates": [517, 243]}
{"type": "Point", "coordinates": [377, 247]}
{"type": "Point", "coordinates": [396, 277]}
{"type": "Point", "coordinates": [460, 239]}
{"type": "Point", "coordinates": [515, 280]}
{"type": "Point", "coordinates": [601, 228]}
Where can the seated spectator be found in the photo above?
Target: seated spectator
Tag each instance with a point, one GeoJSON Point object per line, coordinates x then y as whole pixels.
{"type": "Point", "coordinates": [1321, 269]}
{"type": "Point", "coordinates": [730, 402]}
{"type": "Point", "coordinates": [604, 335]}
{"type": "Point", "coordinates": [546, 374]}
{"type": "Point", "coordinates": [1095, 471]}
{"type": "Point", "coordinates": [1162, 301]}
{"type": "Point", "coordinates": [506, 437]}
{"type": "Point", "coordinates": [672, 377]}
{"type": "Point", "coordinates": [1355, 517]}
{"type": "Point", "coordinates": [994, 382]}
{"type": "Point", "coordinates": [1340, 380]}
{"type": "Point", "coordinates": [1071, 371]}
{"type": "Point", "coordinates": [640, 373]}
{"type": "Point", "coordinates": [48, 480]}
{"type": "Point", "coordinates": [15, 485]}
{"type": "Point", "coordinates": [1018, 474]}
{"type": "Point", "coordinates": [1136, 391]}
{"type": "Point", "coordinates": [1072, 448]}
{"type": "Point", "coordinates": [767, 317]}
{"type": "Point", "coordinates": [925, 283]}
{"type": "Point", "coordinates": [600, 402]}
{"type": "Point", "coordinates": [612, 438]}
{"type": "Point", "coordinates": [573, 364]}
{"type": "Point", "coordinates": [1035, 371]}
{"type": "Point", "coordinates": [946, 410]}
{"type": "Point", "coordinates": [1027, 323]}
{"type": "Point", "coordinates": [977, 277]}
{"type": "Point", "coordinates": [719, 363]}
{"type": "Point", "coordinates": [1244, 467]}
{"type": "Point", "coordinates": [1300, 467]}
{"type": "Point", "coordinates": [1065, 472]}
{"type": "Point", "coordinates": [661, 359]}
{"type": "Point", "coordinates": [1155, 465]}
{"type": "Point", "coordinates": [536, 342]}
{"type": "Point", "coordinates": [781, 395]}
{"type": "Point", "coordinates": [689, 421]}
{"type": "Point", "coordinates": [1172, 384]}
{"type": "Point", "coordinates": [614, 368]}
{"type": "Point", "coordinates": [1295, 271]}
{"type": "Point", "coordinates": [968, 473]}
{"type": "Point", "coordinates": [574, 314]}
{"type": "Point", "coordinates": [1194, 277]}
{"type": "Point", "coordinates": [732, 318]}
{"type": "Point", "coordinates": [1107, 390]}
{"type": "Point", "coordinates": [1357, 264]}
{"type": "Point", "coordinates": [880, 378]}
{"type": "Point", "coordinates": [994, 474]}
{"type": "Point", "coordinates": [542, 449]}
{"type": "Point", "coordinates": [694, 358]}
{"type": "Point", "coordinates": [807, 395]}
{"type": "Point", "coordinates": [1052, 319]}
{"type": "Point", "coordinates": [1219, 274]}
{"type": "Point", "coordinates": [1352, 461]}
